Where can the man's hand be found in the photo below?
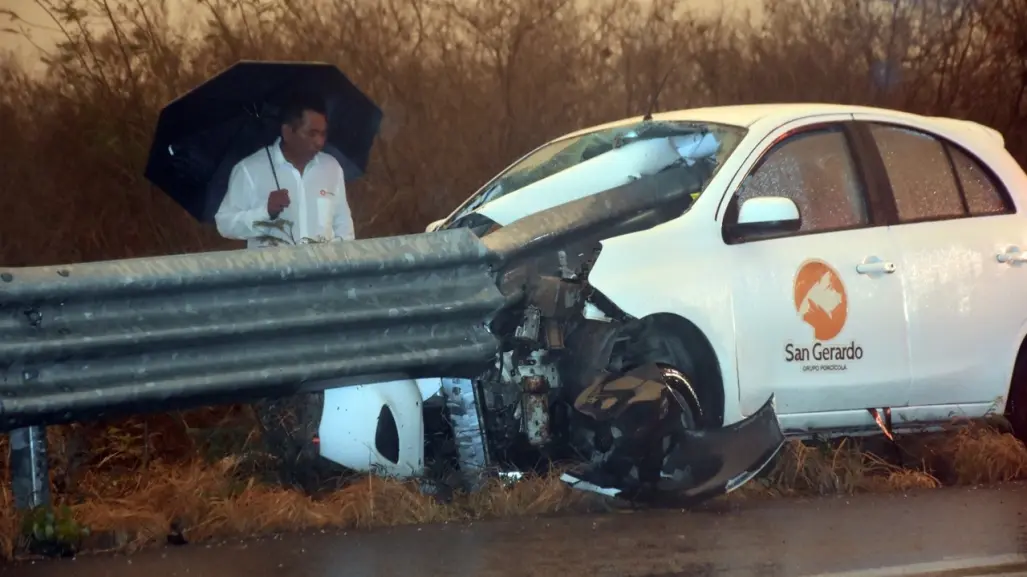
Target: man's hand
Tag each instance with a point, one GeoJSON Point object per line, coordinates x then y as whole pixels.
{"type": "Point", "coordinates": [276, 202]}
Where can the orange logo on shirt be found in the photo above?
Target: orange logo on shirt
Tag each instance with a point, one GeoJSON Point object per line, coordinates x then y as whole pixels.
{"type": "Point", "coordinates": [326, 193]}
{"type": "Point", "coordinates": [820, 299]}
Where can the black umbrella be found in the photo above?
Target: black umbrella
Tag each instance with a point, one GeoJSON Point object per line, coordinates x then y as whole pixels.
{"type": "Point", "coordinates": [201, 135]}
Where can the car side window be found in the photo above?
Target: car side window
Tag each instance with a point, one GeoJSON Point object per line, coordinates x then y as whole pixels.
{"type": "Point", "coordinates": [984, 195]}
{"type": "Point", "coordinates": [934, 180]}
{"type": "Point", "coordinates": [921, 175]}
{"type": "Point", "coordinates": [816, 170]}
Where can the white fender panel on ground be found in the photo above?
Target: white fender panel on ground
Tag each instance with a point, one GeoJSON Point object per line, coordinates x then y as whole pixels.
{"type": "Point", "coordinates": [349, 432]}
{"type": "Point", "coordinates": [429, 387]}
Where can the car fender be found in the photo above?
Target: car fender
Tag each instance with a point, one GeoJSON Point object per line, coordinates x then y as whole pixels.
{"type": "Point", "coordinates": [377, 427]}
{"type": "Point", "coordinates": [693, 283]}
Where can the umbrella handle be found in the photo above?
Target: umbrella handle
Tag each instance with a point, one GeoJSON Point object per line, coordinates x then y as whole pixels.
{"type": "Point", "coordinates": [267, 149]}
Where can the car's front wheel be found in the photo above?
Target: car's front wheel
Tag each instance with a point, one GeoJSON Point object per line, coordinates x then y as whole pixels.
{"type": "Point", "coordinates": [628, 425]}
{"type": "Point", "coordinates": [1016, 405]}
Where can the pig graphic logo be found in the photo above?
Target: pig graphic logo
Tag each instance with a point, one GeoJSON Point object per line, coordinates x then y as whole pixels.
{"type": "Point", "coordinates": [820, 299]}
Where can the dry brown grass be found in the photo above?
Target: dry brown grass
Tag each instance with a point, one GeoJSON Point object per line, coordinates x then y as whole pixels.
{"type": "Point", "coordinates": [211, 479]}
{"type": "Point", "coordinates": [129, 507]}
{"type": "Point", "coordinates": [206, 501]}
{"type": "Point", "coordinates": [981, 454]}
{"type": "Point", "coordinates": [969, 453]}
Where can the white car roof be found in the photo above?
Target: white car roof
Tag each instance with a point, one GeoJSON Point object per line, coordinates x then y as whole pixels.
{"type": "Point", "coordinates": [746, 115]}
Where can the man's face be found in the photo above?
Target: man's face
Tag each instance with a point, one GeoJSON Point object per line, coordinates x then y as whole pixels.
{"type": "Point", "coordinates": [307, 137]}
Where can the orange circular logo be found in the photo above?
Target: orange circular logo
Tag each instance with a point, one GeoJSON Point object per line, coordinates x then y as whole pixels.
{"type": "Point", "coordinates": [820, 299]}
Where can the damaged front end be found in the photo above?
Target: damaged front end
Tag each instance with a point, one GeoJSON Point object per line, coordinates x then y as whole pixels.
{"type": "Point", "coordinates": [631, 426]}
{"type": "Point", "coordinates": [572, 383]}
{"type": "Point", "coordinates": [653, 448]}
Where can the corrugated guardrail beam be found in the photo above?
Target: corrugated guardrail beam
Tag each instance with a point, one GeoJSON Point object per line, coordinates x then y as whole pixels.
{"type": "Point", "coordinates": [593, 216]}
{"type": "Point", "coordinates": [85, 340]}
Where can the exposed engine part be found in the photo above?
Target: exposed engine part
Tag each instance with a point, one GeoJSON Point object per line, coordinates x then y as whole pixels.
{"type": "Point", "coordinates": [507, 400]}
{"type": "Point", "coordinates": [534, 364]}
{"type": "Point", "coordinates": [554, 335]}
{"type": "Point", "coordinates": [555, 302]}
{"type": "Point", "coordinates": [593, 313]}
{"type": "Point", "coordinates": [469, 436]}
{"type": "Point", "coordinates": [566, 272]}
{"type": "Point", "coordinates": [529, 328]}
{"type": "Point", "coordinates": [536, 410]}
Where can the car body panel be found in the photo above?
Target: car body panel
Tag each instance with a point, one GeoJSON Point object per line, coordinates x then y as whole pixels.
{"type": "Point", "coordinates": [352, 417]}
{"type": "Point", "coordinates": [770, 269]}
{"type": "Point", "coordinates": [616, 266]}
{"type": "Point", "coordinates": [938, 339]}
{"type": "Point", "coordinates": [953, 279]}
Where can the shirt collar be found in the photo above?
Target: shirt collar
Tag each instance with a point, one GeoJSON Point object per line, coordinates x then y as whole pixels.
{"type": "Point", "coordinates": [279, 158]}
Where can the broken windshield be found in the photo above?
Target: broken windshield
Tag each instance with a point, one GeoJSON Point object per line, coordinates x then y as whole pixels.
{"type": "Point", "coordinates": [693, 141]}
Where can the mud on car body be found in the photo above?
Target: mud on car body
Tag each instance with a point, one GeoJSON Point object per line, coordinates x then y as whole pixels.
{"type": "Point", "coordinates": [671, 277]}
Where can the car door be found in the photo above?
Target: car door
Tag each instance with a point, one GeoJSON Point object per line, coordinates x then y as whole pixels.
{"type": "Point", "coordinates": [819, 316]}
{"type": "Point", "coordinates": [959, 235]}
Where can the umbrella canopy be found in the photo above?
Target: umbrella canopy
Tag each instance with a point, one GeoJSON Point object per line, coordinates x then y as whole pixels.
{"type": "Point", "coordinates": [201, 135]}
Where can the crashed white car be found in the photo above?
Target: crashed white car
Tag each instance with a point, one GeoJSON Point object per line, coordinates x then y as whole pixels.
{"type": "Point", "coordinates": [860, 267]}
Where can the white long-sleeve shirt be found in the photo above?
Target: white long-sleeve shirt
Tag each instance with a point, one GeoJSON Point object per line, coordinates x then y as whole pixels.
{"type": "Point", "coordinates": [317, 199]}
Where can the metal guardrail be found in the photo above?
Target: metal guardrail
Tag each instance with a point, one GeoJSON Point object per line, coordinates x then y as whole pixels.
{"type": "Point", "coordinates": [88, 340]}
{"type": "Point", "coordinates": [609, 213]}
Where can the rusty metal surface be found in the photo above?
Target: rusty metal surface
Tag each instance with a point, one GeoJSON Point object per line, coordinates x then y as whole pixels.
{"type": "Point", "coordinates": [81, 340]}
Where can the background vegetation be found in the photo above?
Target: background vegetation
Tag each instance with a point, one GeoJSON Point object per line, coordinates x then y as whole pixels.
{"type": "Point", "coordinates": [467, 86]}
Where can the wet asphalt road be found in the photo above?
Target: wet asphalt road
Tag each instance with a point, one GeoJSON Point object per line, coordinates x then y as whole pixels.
{"type": "Point", "coordinates": [766, 539]}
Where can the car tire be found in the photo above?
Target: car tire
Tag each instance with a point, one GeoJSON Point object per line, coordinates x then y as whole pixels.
{"type": "Point", "coordinates": [671, 353]}
{"type": "Point", "coordinates": [685, 417]}
{"type": "Point", "coordinates": [1016, 406]}
{"type": "Point", "coordinates": [630, 462]}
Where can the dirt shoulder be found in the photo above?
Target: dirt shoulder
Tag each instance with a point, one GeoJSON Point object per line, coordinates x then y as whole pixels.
{"type": "Point", "coordinates": [138, 484]}
{"type": "Point", "coordinates": [908, 533]}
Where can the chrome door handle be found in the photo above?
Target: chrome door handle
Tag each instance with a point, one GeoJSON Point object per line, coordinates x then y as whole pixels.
{"type": "Point", "coordinates": [1012, 256]}
{"type": "Point", "coordinates": [875, 266]}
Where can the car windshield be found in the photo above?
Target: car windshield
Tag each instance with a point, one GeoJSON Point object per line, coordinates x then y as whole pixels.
{"type": "Point", "coordinates": [694, 141]}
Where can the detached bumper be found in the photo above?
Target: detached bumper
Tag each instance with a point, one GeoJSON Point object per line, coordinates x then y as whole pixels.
{"type": "Point", "coordinates": [707, 463]}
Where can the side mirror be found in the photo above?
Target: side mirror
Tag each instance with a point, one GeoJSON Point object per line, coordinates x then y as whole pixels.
{"type": "Point", "coordinates": [766, 215]}
{"type": "Point", "coordinates": [435, 225]}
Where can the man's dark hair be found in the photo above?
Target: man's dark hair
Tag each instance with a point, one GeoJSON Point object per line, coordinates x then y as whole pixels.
{"type": "Point", "coordinates": [292, 113]}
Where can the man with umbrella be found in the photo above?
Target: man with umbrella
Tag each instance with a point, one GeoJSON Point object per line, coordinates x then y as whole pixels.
{"type": "Point", "coordinates": [259, 144]}
{"type": "Point", "coordinates": [292, 180]}
{"type": "Point", "coordinates": [269, 136]}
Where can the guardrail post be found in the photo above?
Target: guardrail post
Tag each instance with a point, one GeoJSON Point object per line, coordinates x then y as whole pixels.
{"type": "Point", "coordinates": [30, 477]}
